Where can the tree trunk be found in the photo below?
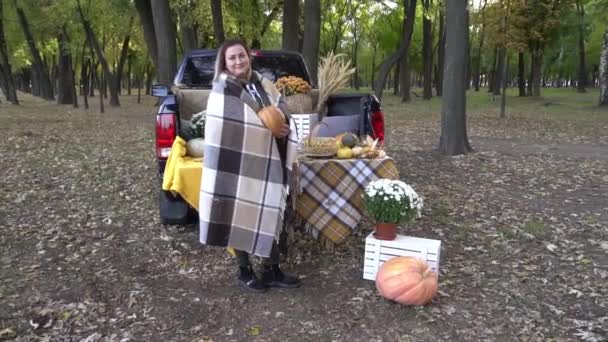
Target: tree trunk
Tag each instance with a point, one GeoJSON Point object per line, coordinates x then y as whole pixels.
{"type": "Point", "coordinates": [404, 79]}
{"type": "Point", "coordinates": [500, 63]}
{"type": "Point", "coordinates": [582, 69]}
{"type": "Point", "coordinates": [165, 42]}
{"type": "Point", "coordinates": [290, 25]}
{"type": "Point", "coordinates": [218, 21]}
{"type": "Point", "coordinates": [356, 39]}
{"type": "Point", "coordinates": [124, 52]}
{"type": "Point", "coordinates": [101, 86]}
{"type": "Point", "coordinates": [149, 78]}
{"type": "Point", "coordinates": [503, 99]}
{"type": "Point", "coordinates": [387, 65]}
{"type": "Point", "coordinates": [374, 52]}
{"type": "Point", "coordinates": [454, 139]}
{"type": "Point", "coordinates": [65, 93]}
{"type": "Point", "coordinates": [84, 79]}
{"type": "Point", "coordinates": [312, 36]}
{"type": "Point", "coordinates": [427, 52]}
{"type": "Point", "coordinates": [492, 74]}
{"type": "Point", "coordinates": [467, 65]}
{"type": "Point", "coordinates": [268, 19]}
{"type": "Point", "coordinates": [128, 74]}
{"type": "Point", "coordinates": [45, 87]}
{"type": "Point", "coordinates": [521, 74]}
{"type": "Point", "coordinates": [440, 52]}
{"type": "Point", "coordinates": [188, 29]}
{"type": "Point", "coordinates": [536, 71]}
{"type": "Point", "coordinates": [8, 83]}
{"type": "Point", "coordinates": [477, 73]}
{"type": "Point", "coordinates": [603, 71]}
{"type": "Point", "coordinates": [396, 73]}
{"type": "Point", "coordinates": [108, 76]}
{"type": "Point", "coordinates": [144, 9]}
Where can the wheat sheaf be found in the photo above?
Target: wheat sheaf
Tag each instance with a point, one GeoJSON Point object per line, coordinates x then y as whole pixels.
{"type": "Point", "coordinates": [334, 73]}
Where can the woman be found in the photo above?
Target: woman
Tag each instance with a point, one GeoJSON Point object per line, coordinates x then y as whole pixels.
{"type": "Point", "coordinates": [246, 170]}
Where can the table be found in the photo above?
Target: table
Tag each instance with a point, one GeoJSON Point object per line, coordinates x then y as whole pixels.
{"type": "Point", "coordinates": [329, 201]}
{"type": "Point", "coordinates": [328, 192]}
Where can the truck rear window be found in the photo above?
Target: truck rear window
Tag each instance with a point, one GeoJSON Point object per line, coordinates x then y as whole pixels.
{"type": "Point", "coordinates": [276, 67]}
{"type": "Point", "coordinates": [198, 71]}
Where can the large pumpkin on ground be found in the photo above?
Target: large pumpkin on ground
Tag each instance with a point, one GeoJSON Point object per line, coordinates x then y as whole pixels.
{"type": "Point", "coordinates": [272, 118]}
{"type": "Point", "coordinates": [407, 280]}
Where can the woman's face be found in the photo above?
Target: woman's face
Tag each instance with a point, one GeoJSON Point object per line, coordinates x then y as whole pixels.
{"type": "Point", "coordinates": [237, 61]}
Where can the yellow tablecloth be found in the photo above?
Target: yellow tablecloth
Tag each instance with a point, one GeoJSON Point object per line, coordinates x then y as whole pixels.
{"type": "Point", "coordinates": [183, 173]}
{"type": "Point", "coordinates": [329, 199]}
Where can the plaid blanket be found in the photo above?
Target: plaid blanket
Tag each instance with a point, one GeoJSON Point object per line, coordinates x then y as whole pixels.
{"type": "Point", "coordinates": [244, 190]}
{"type": "Point", "coordinates": [330, 202]}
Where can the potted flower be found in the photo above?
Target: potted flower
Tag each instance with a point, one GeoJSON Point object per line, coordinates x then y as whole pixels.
{"type": "Point", "coordinates": [389, 202]}
{"type": "Point", "coordinates": [297, 93]}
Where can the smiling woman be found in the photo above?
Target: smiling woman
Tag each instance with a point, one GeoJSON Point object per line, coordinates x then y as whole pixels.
{"type": "Point", "coordinates": [247, 168]}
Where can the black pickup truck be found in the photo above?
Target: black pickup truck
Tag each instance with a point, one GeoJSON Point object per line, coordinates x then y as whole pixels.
{"type": "Point", "coordinates": [190, 90]}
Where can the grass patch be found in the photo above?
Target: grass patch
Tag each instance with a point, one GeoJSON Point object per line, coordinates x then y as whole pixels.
{"type": "Point", "coordinates": [534, 227]}
{"type": "Point", "coordinates": [509, 233]}
{"type": "Point", "coordinates": [441, 213]}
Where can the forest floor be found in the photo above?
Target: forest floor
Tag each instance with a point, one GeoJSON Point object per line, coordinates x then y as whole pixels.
{"type": "Point", "coordinates": [523, 223]}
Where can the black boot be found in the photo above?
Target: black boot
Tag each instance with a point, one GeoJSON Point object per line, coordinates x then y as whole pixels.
{"type": "Point", "coordinates": [274, 277]}
{"type": "Point", "coordinates": [248, 278]}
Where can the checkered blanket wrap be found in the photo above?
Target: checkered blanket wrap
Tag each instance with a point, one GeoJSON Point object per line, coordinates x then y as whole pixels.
{"type": "Point", "coordinates": [330, 194]}
{"type": "Point", "coordinates": [243, 190]}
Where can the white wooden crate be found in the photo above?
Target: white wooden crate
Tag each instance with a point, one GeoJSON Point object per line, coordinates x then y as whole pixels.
{"type": "Point", "coordinates": [379, 251]}
{"type": "Point", "coordinates": [304, 123]}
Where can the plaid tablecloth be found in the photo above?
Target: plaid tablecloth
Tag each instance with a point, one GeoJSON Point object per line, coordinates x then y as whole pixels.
{"type": "Point", "coordinates": [329, 199]}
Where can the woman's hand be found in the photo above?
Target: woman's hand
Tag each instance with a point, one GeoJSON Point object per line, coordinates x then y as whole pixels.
{"type": "Point", "coordinates": [284, 131]}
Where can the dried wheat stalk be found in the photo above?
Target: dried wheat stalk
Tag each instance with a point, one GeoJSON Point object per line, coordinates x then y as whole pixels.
{"type": "Point", "coordinates": [333, 74]}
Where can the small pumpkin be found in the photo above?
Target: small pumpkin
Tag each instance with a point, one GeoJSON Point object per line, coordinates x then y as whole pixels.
{"type": "Point", "coordinates": [272, 118]}
{"type": "Point", "coordinates": [349, 140]}
{"type": "Point", "coordinates": [195, 147]}
{"type": "Point", "coordinates": [407, 280]}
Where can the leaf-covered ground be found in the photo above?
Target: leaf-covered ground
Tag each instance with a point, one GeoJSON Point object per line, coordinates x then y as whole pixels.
{"type": "Point", "coordinates": [523, 222]}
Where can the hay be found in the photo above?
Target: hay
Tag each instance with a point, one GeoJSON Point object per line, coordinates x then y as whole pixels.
{"type": "Point", "coordinates": [333, 74]}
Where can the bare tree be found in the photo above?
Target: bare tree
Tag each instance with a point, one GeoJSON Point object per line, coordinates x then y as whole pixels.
{"type": "Point", "coordinates": [454, 139]}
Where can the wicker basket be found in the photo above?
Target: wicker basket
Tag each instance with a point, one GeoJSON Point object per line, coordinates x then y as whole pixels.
{"type": "Point", "coordinates": [319, 147]}
{"type": "Point", "coordinates": [299, 103]}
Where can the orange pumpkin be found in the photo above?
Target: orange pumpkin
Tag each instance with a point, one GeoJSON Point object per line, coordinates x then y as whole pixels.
{"type": "Point", "coordinates": [407, 280]}
{"type": "Point", "coordinates": [272, 118]}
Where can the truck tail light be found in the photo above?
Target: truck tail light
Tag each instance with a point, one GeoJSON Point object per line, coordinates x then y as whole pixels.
{"type": "Point", "coordinates": [378, 126]}
{"type": "Point", "coordinates": [166, 130]}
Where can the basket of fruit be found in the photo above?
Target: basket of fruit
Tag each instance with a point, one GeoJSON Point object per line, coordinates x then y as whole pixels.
{"type": "Point", "coordinates": [319, 147]}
